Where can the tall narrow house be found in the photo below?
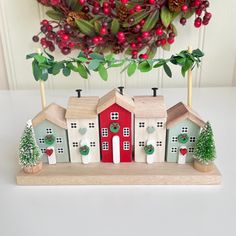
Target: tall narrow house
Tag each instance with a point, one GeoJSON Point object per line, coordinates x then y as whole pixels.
{"type": "Point", "coordinates": [82, 122]}
{"type": "Point", "coordinates": [115, 118]}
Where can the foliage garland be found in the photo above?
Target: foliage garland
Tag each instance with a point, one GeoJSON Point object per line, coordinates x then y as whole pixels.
{"type": "Point", "coordinates": [45, 64]}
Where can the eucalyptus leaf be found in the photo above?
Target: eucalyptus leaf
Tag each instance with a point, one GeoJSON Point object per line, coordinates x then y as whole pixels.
{"type": "Point", "coordinates": [37, 72]}
{"type": "Point", "coordinates": [82, 71]}
{"type": "Point", "coordinates": [103, 72]}
{"type": "Point", "coordinates": [166, 16]}
{"type": "Point", "coordinates": [144, 66]}
{"type": "Point", "coordinates": [55, 15]}
{"type": "Point", "coordinates": [44, 74]}
{"type": "Point", "coordinates": [97, 26]}
{"type": "Point", "coordinates": [85, 27]}
{"type": "Point", "coordinates": [151, 21]}
{"type": "Point", "coordinates": [93, 65]}
{"type": "Point", "coordinates": [56, 68]}
{"type": "Point", "coordinates": [131, 68]}
{"type": "Point", "coordinates": [115, 26]}
{"type": "Point", "coordinates": [66, 71]}
{"type": "Point", "coordinates": [167, 70]}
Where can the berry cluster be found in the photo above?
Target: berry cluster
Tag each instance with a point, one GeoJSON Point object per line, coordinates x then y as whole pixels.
{"type": "Point", "coordinates": [137, 29]}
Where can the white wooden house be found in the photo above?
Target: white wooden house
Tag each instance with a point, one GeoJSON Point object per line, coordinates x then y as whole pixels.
{"type": "Point", "coordinates": [150, 128]}
{"type": "Point", "coordinates": [83, 132]}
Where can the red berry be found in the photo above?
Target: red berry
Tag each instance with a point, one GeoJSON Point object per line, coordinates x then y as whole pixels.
{"type": "Point", "coordinates": [96, 10]}
{"type": "Point", "coordinates": [100, 38]}
{"type": "Point", "coordinates": [131, 11]}
{"type": "Point", "coordinates": [55, 2]}
{"type": "Point", "coordinates": [96, 40]}
{"type": "Point", "coordinates": [49, 28]}
{"type": "Point", "coordinates": [198, 11]}
{"type": "Point", "coordinates": [139, 39]}
{"type": "Point", "coordinates": [142, 22]}
{"type": "Point", "coordinates": [163, 41]}
{"type": "Point", "coordinates": [143, 56]}
{"type": "Point", "coordinates": [151, 2]}
{"type": "Point", "coordinates": [120, 35]}
{"type": "Point", "coordinates": [184, 8]}
{"type": "Point", "coordinates": [65, 37]}
{"type": "Point", "coordinates": [82, 2]}
{"type": "Point", "coordinates": [52, 48]}
{"type": "Point", "coordinates": [183, 21]}
{"type": "Point", "coordinates": [71, 44]}
{"type": "Point", "coordinates": [124, 1]}
{"type": "Point", "coordinates": [170, 40]}
{"type": "Point", "coordinates": [106, 4]}
{"type": "Point", "coordinates": [197, 3]}
{"type": "Point", "coordinates": [137, 7]}
{"type": "Point", "coordinates": [106, 11]}
{"type": "Point", "coordinates": [145, 34]}
{"type": "Point", "coordinates": [85, 9]}
{"type": "Point", "coordinates": [198, 22]}
{"type": "Point", "coordinates": [208, 15]}
{"type": "Point", "coordinates": [133, 45]}
{"type": "Point", "coordinates": [103, 30]}
{"type": "Point", "coordinates": [134, 53]}
{"type": "Point", "coordinates": [44, 22]}
{"type": "Point", "coordinates": [35, 38]}
{"type": "Point", "coordinates": [96, 4]}
{"type": "Point", "coordinates": [65, 50]}
{"type": "Point", "coordinates": [158, 43]}
{"type": "Point", "coordinates": [159, 31]}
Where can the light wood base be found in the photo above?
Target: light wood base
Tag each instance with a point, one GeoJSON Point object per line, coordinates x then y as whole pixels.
{"type": "Point", "coordinates": [120, 174]}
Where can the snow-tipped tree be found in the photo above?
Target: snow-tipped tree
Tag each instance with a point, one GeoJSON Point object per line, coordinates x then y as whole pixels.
{"type": "Point", "coordinates": [205, 146]}
{"type": "Point", "coordinates": [30, 154]}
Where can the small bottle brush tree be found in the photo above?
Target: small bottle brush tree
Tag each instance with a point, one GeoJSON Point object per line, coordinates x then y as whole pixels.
{"type": "Point", "coordinates": [205, 146]}
{"type": "Point", "coordinates": [30, 154]}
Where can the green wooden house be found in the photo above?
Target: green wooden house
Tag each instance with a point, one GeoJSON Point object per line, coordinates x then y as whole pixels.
{"type": "Point", "coordinates": [51, 133]}
{"type": "Point", "coordinates": [183, 128]}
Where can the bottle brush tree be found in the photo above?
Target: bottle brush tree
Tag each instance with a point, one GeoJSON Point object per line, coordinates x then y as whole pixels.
{"type": "Point", "coordinates": [30, 154]}
{"type": "Point", "coordinates": [205, 146]}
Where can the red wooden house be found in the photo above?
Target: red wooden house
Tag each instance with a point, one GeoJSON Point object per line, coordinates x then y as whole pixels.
{"type": "Point", "coordinates": [115, 118]}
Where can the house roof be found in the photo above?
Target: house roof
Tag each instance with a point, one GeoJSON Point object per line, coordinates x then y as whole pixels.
{"type": "Point", "coordinates": [53, 113]}
{"type": "Point", "coordinates": [150, 107]}
{"type": "Point", "coordinates": [180, 112]}
{"type": "Point", "coordinates": [82, 108]}
{"type": "Point", "coordinates": [115, 97]}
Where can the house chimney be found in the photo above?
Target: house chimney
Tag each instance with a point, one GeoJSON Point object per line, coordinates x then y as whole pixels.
{"type": "Point", "coordinates": [78, 91]}
{"type": "Point", "coordinates": [154, 92]}
{"type": "Point", "coordinates": [121, 88]}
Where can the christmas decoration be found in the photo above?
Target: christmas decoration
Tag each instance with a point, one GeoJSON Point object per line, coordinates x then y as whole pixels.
{"type": "Point", "coordinates": [205, 146]}
{"type": "Point", "coordinates": [183, 138]}
{"type": "Point", "coordinates": [30, 154]}
{"type": "Point", "coordinates": [49, 139]}
{"type": "Point", "coordinates": [149, 149]}
{"type": "Point", "coordinates": [84, 150]}
{"type": "Point", "coordinates": [138, 27]}
{"type": "Point", "coordinates": [114, 127]}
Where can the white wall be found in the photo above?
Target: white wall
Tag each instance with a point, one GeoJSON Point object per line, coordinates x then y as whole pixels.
{"type": "Point", "coordinates": [19, 20]}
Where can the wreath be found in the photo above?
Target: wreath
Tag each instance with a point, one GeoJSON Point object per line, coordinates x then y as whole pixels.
{"type": "Point", "coordinates": [183, 138]}
{"type": "Point", "coordinates": [136, 27]}
{"type": "Point", "coordinates": [49, 139]}
{"type": "Point", "coordinates": [84, 150]}
{"type": "Point", "coordinates": [149, 149]}
{"type": "Point", "coordinates": [114, 127]}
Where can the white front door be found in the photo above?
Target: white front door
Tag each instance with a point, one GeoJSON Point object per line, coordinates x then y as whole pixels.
{"type": "Point", "coordinates": [116, 149]}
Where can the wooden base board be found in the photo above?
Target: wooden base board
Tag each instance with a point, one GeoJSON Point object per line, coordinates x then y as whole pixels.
{"type": "Point", "coordinates": [120, 174]}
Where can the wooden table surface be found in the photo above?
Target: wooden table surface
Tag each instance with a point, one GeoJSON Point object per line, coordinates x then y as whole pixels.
{"type": "Point", "coordinates": [118, 210]}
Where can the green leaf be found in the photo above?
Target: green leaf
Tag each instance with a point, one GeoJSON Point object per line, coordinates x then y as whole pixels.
{"type": "Point", "coordinates": [109, 57]}
{"type": "Point", "coordinates": [151, 21]}
{"type": "Point", "coordinates": [97, 26]}
{"type": "Point", "coordinates": [187, 66]}
{"type": "Point", "coordinates": [57, 67]}
{"type": "Point", "coordinates": [159, 64]}
{"type": "Point", "coordinates": [97, 56]}
{"type": "Point", "coordinates": [72, 67]}
{"type": "Point", "coordinates": [152, 51]}
{"type": "Point", "coordinates": [174, 29]}
{"type": "Point", "coordinates": [197, 53]}
{"type": "Point", "coordinates": [144, 66]}
{"type": "Point", "coordinates": [137, 16]}
{"type": "Point", "coordinates": [55, 15]}
{"type": "Point", "coordinates": [49, 55]}
{"type": "Point", "coordinates": [93, 65]}
{"type": "Point", "coordinates": [166, 47]}
{"type": "Point", "coordinates": [85, 27]}
{"type": "Point", "coordinates": [131, 68]}
{"type": "Point", "coordinates": [82, 71]}
{"type": "Point", "coordinates": [66, 71]}
{"type": "Point", "coordinates": [166, 16]}
{"type": "Point", "coordinates": [189, 13]}
{"type": "Point", "coordinates": [73, 4]}
{"type": "Point", "coordinates": [167, 70]}
{"type": "Point", "coordinates": [103, 72]}
{"type": "Point", "coordinates": [118, 64]}
{"type": "Point", "coordinates": [44, 74]}
{"type": "Point", "coordinates": [32, 55]}
{"type": "Point", "coordinates": [40, 58]}
{"type": "Point", "coordinates": [37, 73]}
{"type": "Point", "coordinates": [82, 59]}
{"type": "Point", "coordinates": [115, 26]}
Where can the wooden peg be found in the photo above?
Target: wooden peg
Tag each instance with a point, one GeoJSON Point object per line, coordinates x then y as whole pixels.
{"type": "Point", "coordinates": [42, 88]}
{"type": "Point", "coordinates": [190, 83]}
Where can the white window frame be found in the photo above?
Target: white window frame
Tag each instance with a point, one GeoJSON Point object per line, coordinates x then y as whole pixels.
{"type": "Point", "coordinates": [49, 130]}
{"type": "Point", "coordinates": [104, 132]}
{"type": "Point", "coordinates": [105, 146]}
{"type": "Point", "coordinates": [60, 150]}
{"type": "Point", "coordinates": [41, 140]}
{"type": "Point", "coordinates": [174, 150]}
{"type": "Point", "coordinates": [160, 124]}
{"type": "Point", "coordinates": [126, 132]}
{"type": "Point", "coordinates": [184, 129]}
{"type": "Point", "coordinates": [191, 149]}
{"type": "Point", "coordinates": [141, 124]}
{"type": "Point", "coordinates": [192, 139]}
{"type": "Point", "coordinates": [159, 143]}
{"type": "Point", "coordinates": [174, 139]}
{"type": "Point", "coordinates": [75, 144]}
{"type": "Point", "coordinates": [59, 138]}
{"type": "Point", "coordinates": [141, 143]}
{"type": "Point", "coordinates": [126, 145]}
{"type": "Point", "coordinates": [92, 144]}
{"type": "Point", "coordinates": [114, 115]}
{"type": "Point", "coordinates": [92, 125]}
{"type": "Point", "coordinates": [43, 150]}
{"type": "Point", "coordinates": [73, 125]}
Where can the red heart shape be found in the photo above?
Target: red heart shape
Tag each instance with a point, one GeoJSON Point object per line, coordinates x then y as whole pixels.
{"type": "Point", "coordinates": [49, 152]}
{"type": "Point", "coordinates": [183, 151]}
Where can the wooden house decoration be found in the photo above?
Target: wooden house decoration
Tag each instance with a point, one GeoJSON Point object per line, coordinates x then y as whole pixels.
{"type": "Point", "coordinates": [150, 128]}
{"type": "Point", "coordinates": [51, 134]}
{"type": "Point", "coordinates": [83, 132]}
{"type": "Point", "coordinates": [116, 119]}
{"type": "Point", "coordinates": [183, 128]}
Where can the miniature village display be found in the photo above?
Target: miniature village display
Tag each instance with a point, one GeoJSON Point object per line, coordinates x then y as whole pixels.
{"type": "Point", "coordinates": [116, 138]}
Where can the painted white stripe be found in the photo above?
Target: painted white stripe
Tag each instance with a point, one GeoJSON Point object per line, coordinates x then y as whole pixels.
{"type": "Point", "coordinates": [116, 149]}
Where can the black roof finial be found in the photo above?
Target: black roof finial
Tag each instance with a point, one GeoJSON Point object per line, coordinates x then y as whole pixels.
{"type": "Point", "coordinates": [78, 91]}
{"type": "Point", "coordinates": [121, 88]}
{"type": "Point", "coordinates": [154, 92]}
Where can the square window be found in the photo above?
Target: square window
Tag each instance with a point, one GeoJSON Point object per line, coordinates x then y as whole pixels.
{"type": "Point", "coordinates": [191, 150]}
{"type": "Point", "coordinates": [104, 132]}
{"type": "Point", "coordinates": [41, 140]}
{"type": "Point", "coordinates": [159, 143]}
{"type": "Point", "coordinates": [141, 144]}
{"type": "Point", "coordinates": [49, 131]}
{"type": "Point", "coordinates": [73, 125]}
{"type": "Point", "coordinates": [192, 139]}
{"type": "Point", "coordinates": [114, 115]}
{"type": "Point", "coordinates": [105, 146]}
{"type": "Point", "coordinates": [173, 149]}
{"type": "Point", "coordinates": [59, 140]}
{"type": "Point", "coordinates": [174, 139]}
{"type": "Point", "coordinates": [60, 150]}
{"type": "Point", "coordinates": [43, 150]}
{"type": "Point", "coordinates": [91, 125]}
{"type": "Point", "coordinates": [126, 146]}
{"type": "Point", "coordinates": [184, 129]}
{"type": "Point", "coordinates": [92, 144]}
{"type": "Point", "coordinates": [159, 124]}
{"type": "Point", "coordinates": [126, 132]}
{"type": "Point", "coordinates": [141, 124]}
{"type": "Point", "coordinates": [75, 144]}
